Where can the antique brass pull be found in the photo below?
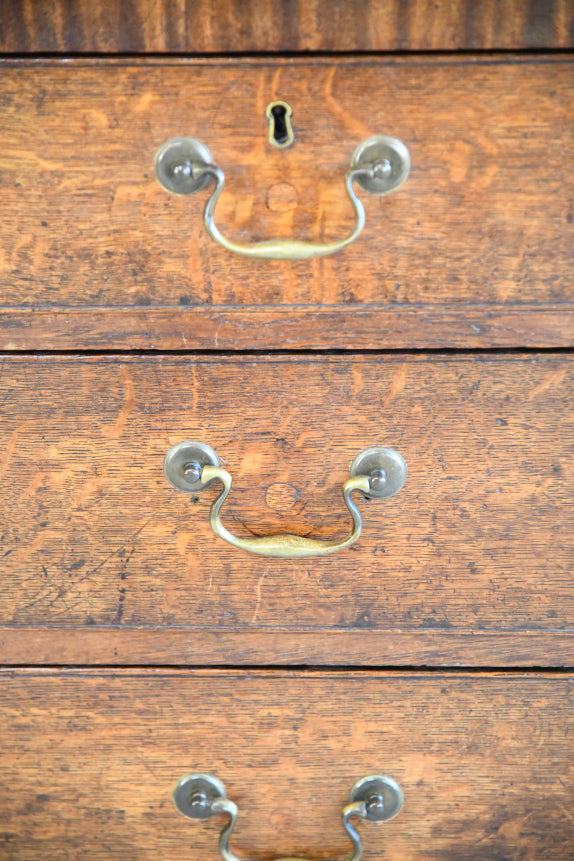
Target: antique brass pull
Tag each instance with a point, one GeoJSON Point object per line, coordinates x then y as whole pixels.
{"type": "Point", "coordinates": [380, 165]}
{"type": "Point", "coordinates": [376, 797]}
{"type": "Point", "coordinates": [376, 473]}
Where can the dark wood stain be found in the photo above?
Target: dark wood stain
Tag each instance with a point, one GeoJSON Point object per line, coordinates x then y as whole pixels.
{"type": "Point", "coordinates": [220, 26]}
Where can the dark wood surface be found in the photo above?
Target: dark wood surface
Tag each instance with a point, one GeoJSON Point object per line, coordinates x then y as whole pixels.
{"type": "Point", "coordinates": [89, 761]}
{"type": "Point", "coordinates": [482, 227]}
{"type": "Point", "coordinates": [480, 541]}
{"type": "Point", "coordinates": [206, 26]}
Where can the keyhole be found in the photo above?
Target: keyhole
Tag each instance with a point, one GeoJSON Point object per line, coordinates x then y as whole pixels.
{"type": "Point", "coordinates": [280, 130]}
{"type": "Point", "coordinates": [280, 133]}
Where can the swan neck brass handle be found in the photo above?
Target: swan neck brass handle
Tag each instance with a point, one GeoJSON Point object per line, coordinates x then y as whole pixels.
{"type": "Point", "coordinates": [286, 545]}
{"type": "Point", "coordinates": [376, 798]}
{"type": "Point", "coordinates": [376, 473]}
{"type": "Point", "coordinates": [380, 165]}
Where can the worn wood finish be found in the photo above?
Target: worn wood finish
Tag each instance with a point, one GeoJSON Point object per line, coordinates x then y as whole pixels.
{"type": "Point", "coordinates": [289, 327]}
{"type": "Point", "coordinates": [484, 220]}
{"type": "Point", "coordinates": [116, 646]}
{"type": "Point", "coordinates": [89, 761]}
{"type": "Point", "coordinates": [206, 26]}
{"type": "Point", "coordinates": [480, 540]}
{"type": "Point", "coordinates": [102, 563]}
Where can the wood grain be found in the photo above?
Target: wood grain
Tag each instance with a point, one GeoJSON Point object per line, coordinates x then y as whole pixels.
{"type": "Point", "coordinates": [480, 540]}
{"type": "Point", "coordinates": [117, 646]}
{"type": "Point", "coordinates": [289, 327]}
{"type": "Point", "coordinates": [485, 218]}
{"type": "Point", "coordinates": [206, 26]}
{"type": "Point", "coordinates": [90, 758]}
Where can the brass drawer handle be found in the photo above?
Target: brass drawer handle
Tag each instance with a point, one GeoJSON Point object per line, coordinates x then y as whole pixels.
{"type": "Point", "coordinates": [376, 473]}
{"type": "Point", "coordinates": [376, 797]}
{"type": "Point", "coordinates": [380, 165]}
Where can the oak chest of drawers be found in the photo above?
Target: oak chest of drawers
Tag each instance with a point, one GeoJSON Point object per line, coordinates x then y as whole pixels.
{"type": "Point", "coordinates": [136, 645]}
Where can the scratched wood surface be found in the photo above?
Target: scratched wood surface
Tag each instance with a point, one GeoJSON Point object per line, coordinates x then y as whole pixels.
{"type": "Point", "coordinates": [90, 759]}
{"type": "Point", "coordinates": [484, 221]}
{"type": "Point", "coordinates": [480, 541]}
{"type": "Point", "coordinates": [290, 327]}
{"type": "Point", "coordinates": [206, 26]}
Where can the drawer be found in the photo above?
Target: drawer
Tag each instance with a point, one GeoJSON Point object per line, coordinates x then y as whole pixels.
{"type": "Point", "coordinates": [111, 27]}
{"type": "Point", "coordinates": [474, 250]}
{"type": "Point", "coordinates": [90, 760]}
{"type": "Point", "coordinates": [104, 561]}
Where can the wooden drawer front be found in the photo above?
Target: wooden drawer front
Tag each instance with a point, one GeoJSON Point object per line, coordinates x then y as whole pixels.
{"type": "Point", "coordinates": [471, 562]}
{"type": "Point", "coordinates": [476, 249]}
{"type": "Point", "coordinates": [215, 26]}
{"type": "Point", "coordinates": [90, 759]}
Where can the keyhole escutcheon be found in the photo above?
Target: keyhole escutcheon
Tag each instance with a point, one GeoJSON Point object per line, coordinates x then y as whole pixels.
{"type": "Point", "coordinates": [280, 129]}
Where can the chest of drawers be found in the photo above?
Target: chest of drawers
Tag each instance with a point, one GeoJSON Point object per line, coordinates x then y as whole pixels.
{"type": "Point", "coordinates": [136, 645]}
